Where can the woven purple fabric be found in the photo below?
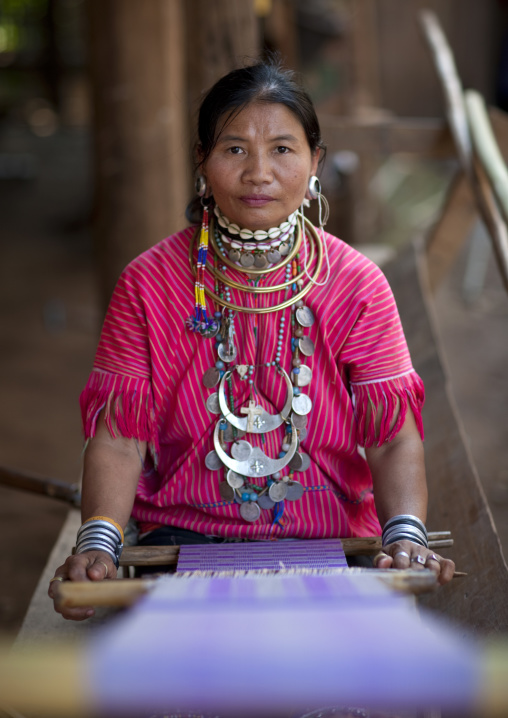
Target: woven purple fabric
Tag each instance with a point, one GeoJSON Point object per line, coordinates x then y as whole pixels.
{"type": "Point", "coordinates": [272, 555]}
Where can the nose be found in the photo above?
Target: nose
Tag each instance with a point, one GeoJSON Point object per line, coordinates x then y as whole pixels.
{"type": "Point", "coordinates": [258, 168]}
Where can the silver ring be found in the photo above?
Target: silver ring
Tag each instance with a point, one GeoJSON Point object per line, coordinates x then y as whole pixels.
{"type": "Point", "coordinates": [402, 553]}
{"type": "Point", "coordinates": [433, 557]}
{"type": "Point", "coordinates": [56, 578]}
{"type": "Point", "coordinates": [418, 559]}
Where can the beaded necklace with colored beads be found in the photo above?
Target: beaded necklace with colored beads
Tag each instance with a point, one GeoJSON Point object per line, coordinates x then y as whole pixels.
{"type": "Point", "coordinates": [240, 461]}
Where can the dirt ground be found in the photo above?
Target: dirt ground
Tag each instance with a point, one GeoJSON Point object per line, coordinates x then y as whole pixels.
{"type": "Point", "coordinates": [50, 322]}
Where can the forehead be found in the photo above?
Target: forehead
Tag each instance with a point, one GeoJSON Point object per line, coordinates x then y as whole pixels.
{"type": "Point", "coordinates": [262, 120]}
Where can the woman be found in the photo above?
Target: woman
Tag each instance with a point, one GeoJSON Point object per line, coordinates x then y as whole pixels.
{"type": "Point", "coordinates": [277, 399]}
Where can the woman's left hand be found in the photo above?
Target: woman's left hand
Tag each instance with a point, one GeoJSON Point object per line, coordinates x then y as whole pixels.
{"type": "Point", "coordinates": [409, 555]}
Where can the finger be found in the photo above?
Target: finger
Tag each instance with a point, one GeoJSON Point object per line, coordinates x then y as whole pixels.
{"type": "Point", "coordinates": [382, 560]}
{"type": "Point", "coordinates": [54, 582]}
{"type": "Point", "coordinates": [74, 614]}
{"type": "Point", "coordinates": [433, 563]}
{"type": "Point", "coordinates": [418, 559]}
{"type": "Point", "coordinates": [101, 568]}
{"type": "Point", "coordinates": [401, 559]}
{"type": "Point", "coordinates": [447, 570]}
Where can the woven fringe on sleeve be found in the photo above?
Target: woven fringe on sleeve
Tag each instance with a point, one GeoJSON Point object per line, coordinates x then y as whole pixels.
{"type": "Point", "coordinates": [391, 395]}
{"type": "Point", "coordinates": [128, 404]}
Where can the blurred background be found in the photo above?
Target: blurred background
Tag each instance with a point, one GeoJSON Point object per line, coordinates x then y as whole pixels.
{"type": "Point", "coordinates": [96, 101]}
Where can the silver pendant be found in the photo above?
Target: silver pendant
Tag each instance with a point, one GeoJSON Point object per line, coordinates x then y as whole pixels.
{"type": "Point", "coordinates": [305, 375]}
{"type": "Point", "coordinates": [295, 491]}
{"type": "Point", "coordinates": [235, 480]}
{"type": "Point", "coordinates": [305, 317]}
{"type": "Point", "coordinates": [305, 462]}
{"type": "Point", "coordinates": [296, 462]}
{"type": "Point", "coordinates": [241, 450]}
{"type": "Point", "coordinates": [302, 434]}
{"type": "Point", "coordinates": [261, 421]}
{"type": "Point", "coordinates": [227, 352]}
{"type": "Point", "coordinates": [234, 255]}
{"type": "Point", "coordinates": [273, 256]}
{"type": "Point", "coordinates": [230, 435]}
{"type": "Point", "coordinates": [211, 377]}
{"type": "Point", "coordinates": [284, 248]}
{"type": "Point", "coordinates": [212, 461]}
{"type": "Point", "coordinates": [265, 502]}
{"type": "Point", "coordinates": [306, 346]}
{"type": "Point", "coordinates": [277, 492]}
{"type": "Point", "coordinates": [258, 463]}
{"type": "Point", "coordinates": [250, 511]}
{"type": "Point", "coordinates": [298, 421]}
{"type": "Point", "coordinates": [226, 491]}
{"type": "Point", "coordinates": [247, 260]}
{"type": "Point", "coordinates": [301, 404]}
{"type": "Point", "coordinates": [212, 403]}
{"type": "Point", "coordinates": [260, 262]}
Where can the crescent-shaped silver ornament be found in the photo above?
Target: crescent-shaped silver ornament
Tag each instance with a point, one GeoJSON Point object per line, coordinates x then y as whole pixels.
{"type": "Point", "coordinates": [263, 421]}
{"type": "Point", "coordinates": [258, 463]}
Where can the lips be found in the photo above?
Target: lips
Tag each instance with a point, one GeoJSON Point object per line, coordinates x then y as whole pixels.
{"type": "Point", "coordinates": [256, 200]}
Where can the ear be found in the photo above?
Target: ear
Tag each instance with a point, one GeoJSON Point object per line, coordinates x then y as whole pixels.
{"type": "Point", "coordinates": [313, 168]}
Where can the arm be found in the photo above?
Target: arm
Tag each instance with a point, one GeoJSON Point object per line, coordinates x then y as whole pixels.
{"type": "Point", "coordinates": [400, 487]}
{"type": "Point", "coordinates": [111, 473]}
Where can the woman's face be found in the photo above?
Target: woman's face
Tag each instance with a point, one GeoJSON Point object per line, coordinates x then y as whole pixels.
{"type": "Point", "coordinates": [259, 169]}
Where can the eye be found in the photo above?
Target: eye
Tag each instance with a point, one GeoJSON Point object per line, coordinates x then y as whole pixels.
{"type": "Point", "coordinates": [283, 150]}
{"type": "Point", "coordinates": [235, 150]}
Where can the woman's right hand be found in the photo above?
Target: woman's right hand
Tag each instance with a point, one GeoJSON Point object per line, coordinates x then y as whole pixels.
{"type": "Point", "coordinates": [87, 566]}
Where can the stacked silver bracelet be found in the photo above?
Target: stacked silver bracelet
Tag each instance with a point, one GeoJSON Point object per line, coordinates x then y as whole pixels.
{"type": "Point", "coordinates": [98, 535]}
{"type": "Point", "coordinates": [405, 527]}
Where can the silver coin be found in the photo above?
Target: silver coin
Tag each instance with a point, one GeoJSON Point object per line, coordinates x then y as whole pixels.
{"type": "Point", "coordinates": [302, 434]}
{"type": "Point", "coordinates": [241, 450]}
{"type": "Point", "coordinates": [284, 248]}
{"type": "Point", "coordinates": [250, 511]}
{"type": "Point", "coordinates": [232, 434]}
{"type": "Point", "coordinates": [235, 480]}
{"type": "Point", "coordinates": [238, 498]}
{"type": "Point", "coordinates": [265, 502]}
{"type": "Point", "coordinates": [212, 403]}
{"type": "Point", "coordinates": [295, 491]}
{"type": "Point", "coordinates": [296, 462]}
{"type": "Point", "coordinates": [226, 491]}
{"type": "Point", "coordinates": [299, 421]}
{"type": "Point", "coordinates": [305, 375]}
{"type": "Point", "coordinates": [212, 461]}
{"type": "Point", "coordinates": [234, 255]}
{"type": "Point", "coordinates": [247, 260]}
{"type": "Point", "coordinates": [302, 404]}
{"type": "Point", "coordinates": [227, 352]}
{"type": "Point", "coordinates": [306, 346]}
{"type": "Point", "coordinates": [305, 462]}
{"type": "Point", "coordinates": [278, 491]}
{"type": "Point", "coordinates": [305, 317]}
{"type": "Point", "coordinates": [211, 377]}
{"type": "Point", "coordinates": [260, 262]}
{"type": "Point", "coordinates": [273, 256]}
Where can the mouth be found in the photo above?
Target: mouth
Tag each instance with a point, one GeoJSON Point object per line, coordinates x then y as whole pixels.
{"type": "Point", "coordinates": [256, 200]}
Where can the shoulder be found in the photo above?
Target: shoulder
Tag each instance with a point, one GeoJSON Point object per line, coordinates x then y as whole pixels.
{"type": "Point", "coordinates": [351, 269]}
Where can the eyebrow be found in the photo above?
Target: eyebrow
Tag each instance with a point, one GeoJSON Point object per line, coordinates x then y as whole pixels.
{"type": "Point", "coordinates": [236, 138]}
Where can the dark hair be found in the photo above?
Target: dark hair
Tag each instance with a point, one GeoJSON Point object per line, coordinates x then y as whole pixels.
{"type": "Point", "coordinates": [264, 81]}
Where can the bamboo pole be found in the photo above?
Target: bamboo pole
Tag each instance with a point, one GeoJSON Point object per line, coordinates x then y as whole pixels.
{"type": "Point", "coordinates": [457, 117]}
{"type": "Point", "coordinates": [53, 488]}
{"type": "Point", "coordinates": [168, 555]}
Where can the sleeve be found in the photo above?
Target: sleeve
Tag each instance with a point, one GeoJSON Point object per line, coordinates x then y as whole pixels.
{"type": "Point", "coordinates": [382, 380]}
{"type": "Point", "coordinates": [120, 381]}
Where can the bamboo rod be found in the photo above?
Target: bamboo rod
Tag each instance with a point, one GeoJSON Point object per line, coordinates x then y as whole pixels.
{"type": "Point", "coordinates": [122, 593]}
{"type": "Point", "coordinates": [458, 119]}
{"type": "Point", "coordinates": [168, 555]}
{"type": "Point", "coordinates": [53, 488]}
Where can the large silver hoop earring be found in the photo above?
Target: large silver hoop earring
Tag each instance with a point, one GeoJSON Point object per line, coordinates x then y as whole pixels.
{"type": "Point", "coordinates": [314, 187]}
{"type": "Point", "coordinates": [200, 186]}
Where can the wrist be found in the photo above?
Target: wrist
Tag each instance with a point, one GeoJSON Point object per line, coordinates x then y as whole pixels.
{"type": "Point", "coordinates": [405, 527]}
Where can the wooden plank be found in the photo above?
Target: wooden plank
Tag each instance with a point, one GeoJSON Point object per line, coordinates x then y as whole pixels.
{"type": "Point", "coordinates": [54, 488]}
{"type": "Point", "coordinates": [425, 137]}
{"type": "Point", "coordinates": [456, 497]}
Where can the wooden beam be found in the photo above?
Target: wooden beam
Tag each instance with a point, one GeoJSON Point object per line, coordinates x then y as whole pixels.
{"type": "Point", "coordinates": [43, 485]}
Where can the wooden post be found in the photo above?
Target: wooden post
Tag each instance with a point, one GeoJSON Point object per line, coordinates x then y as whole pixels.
{"type": "Point", "coordinates": [141, 150]}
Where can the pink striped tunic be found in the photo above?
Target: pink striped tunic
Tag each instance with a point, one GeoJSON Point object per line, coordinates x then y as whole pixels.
{"type": "Point", "coordinates": [148, 375]}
